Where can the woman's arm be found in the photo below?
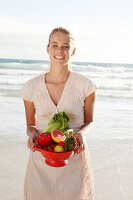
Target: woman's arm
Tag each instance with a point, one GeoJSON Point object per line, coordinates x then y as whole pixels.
{"type": "Point", "coordinates": [88, 114]}
{"type": "Point", "coordinates": [30, 119]}
{"type": "Point", "coordinates": [88, 120]}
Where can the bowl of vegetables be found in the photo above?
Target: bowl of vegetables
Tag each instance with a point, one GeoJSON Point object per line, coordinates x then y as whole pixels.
{"type": "Point", "coordinates": [57, 145]}
{"type": "Point", "coordinates": [57, 154]}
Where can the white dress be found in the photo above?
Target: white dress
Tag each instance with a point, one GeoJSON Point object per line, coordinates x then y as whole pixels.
{"type": "Point", "coordinates": [75, 180]}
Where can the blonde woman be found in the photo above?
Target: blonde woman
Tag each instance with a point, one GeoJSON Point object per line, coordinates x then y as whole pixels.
{"type": "Point", "coordinates": [58, 90]}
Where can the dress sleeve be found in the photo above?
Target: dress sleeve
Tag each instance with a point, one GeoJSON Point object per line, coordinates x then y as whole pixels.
{"type": "Point", "coordinates": [90, 87]}
{"type": "Point", "coordinates": [26, 92]}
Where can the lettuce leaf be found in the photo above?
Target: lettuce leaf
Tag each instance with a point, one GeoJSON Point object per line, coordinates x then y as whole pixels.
{"type": "Point", "coordinates": [59, 121]}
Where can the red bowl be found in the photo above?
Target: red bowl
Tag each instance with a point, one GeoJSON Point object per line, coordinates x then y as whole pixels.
{"type": "Point", "coordinates": [55, 159]}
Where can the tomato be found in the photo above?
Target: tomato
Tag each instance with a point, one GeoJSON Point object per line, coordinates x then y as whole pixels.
{"type": "Point", "coordinates": [44, 139]}
{"type": "Point", "coordinates": [61, 143]}
{"type": "Point", "coordinates": [49, 148]}
{"type": "Point", "coordinates": [52, 145]}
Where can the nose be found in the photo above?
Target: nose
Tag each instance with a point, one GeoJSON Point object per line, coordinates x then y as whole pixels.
{"type": "Point", "coordinates": [60, 49]}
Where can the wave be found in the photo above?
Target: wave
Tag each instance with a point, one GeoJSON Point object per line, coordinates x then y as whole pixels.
{"type": "Point", "coordinates": [109, 70]}
{"type": "Point", "coordinates": [125, 87]}
{"type": "Point", "coordinates": [89, 69]}
{"type": "Point", "coordinates": [32, 64]}
{"type": "Point", "coordinates": [4, 72]}
{"type": "Point", "coordinates": [115, 96]}
{"type": "Point", "coordinates": [112, 80]}
{"type": "Point", "coordinates": [18, 66]}
{"type": "Point", "coordinates": [23, 65]}
{"type": "Point", "coordinates": [102, 67]}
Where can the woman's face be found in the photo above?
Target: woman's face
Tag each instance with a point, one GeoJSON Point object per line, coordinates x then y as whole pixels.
{"type": "Point", "coordinates": [60, 48]}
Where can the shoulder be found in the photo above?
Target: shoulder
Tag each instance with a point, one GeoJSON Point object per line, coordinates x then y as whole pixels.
{"type": "Point", "coordinates": [81, 78]}
{"type": "Point", "coordinates": [83, 84]}
{"type": "Point", "coordinates": [31, 87]}
{"type": "Point", "coordinates": [35, 80]}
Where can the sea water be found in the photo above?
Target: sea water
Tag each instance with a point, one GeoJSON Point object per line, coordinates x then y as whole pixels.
{"type": "Point", "coordinates": [111, 142]}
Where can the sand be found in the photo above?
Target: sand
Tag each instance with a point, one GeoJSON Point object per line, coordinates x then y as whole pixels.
{"type": "Point", "coordinates": [13, 160]}
{"type": "Point", "coordinates": [112, 182]}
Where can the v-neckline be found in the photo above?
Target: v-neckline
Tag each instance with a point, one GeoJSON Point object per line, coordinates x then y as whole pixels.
{"type": "Point", "coordinates": [63, 92]}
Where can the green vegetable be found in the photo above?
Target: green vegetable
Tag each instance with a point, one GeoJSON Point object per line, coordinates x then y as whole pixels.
{"type": "Point", "coordinates": [66, 128]}
{"type": "Point", "coordinates": [68, 132]}
{"type": "Point", "coordinates": [59, 121]}
{"type": "Point", "coordinates": [70, 143]}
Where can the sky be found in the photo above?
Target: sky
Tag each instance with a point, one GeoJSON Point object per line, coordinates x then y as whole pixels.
{"type": "Point", "coordinates": [103, 30]}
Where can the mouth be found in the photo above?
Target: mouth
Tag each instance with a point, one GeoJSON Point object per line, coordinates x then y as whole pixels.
{"type": "Point", "coordinates": [59, 57]}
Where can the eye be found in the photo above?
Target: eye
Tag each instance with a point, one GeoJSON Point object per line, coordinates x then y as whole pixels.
{"type": "Point", "coordinates": [66, 47]}
{"type": "Point", "coordinates": [54, 45]}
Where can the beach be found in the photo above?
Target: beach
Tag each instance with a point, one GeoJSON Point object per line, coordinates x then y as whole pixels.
{"type": "Point", "coordinates": [112, 182]}
{"type": "Point", "coordinates": [110, 144]}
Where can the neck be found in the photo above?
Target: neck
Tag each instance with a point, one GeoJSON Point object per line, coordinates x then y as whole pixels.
{"type": "Point", "coordinates": [59, 73]}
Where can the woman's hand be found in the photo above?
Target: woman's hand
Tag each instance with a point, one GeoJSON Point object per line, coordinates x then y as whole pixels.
{"type": "Point", "coordinates": [81, 139]}
{"type": "Point", "coordinates": [33, 135]}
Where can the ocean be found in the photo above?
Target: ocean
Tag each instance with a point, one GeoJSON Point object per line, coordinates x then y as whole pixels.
{"type": "Point", "coordinates": [111, 142]}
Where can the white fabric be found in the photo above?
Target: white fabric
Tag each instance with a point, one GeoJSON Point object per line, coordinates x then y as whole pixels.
{"type": "Point", "coordinates": [75, 180]}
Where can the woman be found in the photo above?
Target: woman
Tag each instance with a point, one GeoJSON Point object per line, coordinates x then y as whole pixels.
{"type": "Point", "coordinates": [56, 91]}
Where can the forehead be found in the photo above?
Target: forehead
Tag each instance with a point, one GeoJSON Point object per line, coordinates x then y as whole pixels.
{"type": "Point", "coordinates": [60, 37]}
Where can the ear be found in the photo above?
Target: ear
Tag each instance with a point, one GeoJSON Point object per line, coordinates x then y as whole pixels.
{"type": "Point", "coordinates": [73, 52]}
{"type": "Point", "coordinates": [47, 48]}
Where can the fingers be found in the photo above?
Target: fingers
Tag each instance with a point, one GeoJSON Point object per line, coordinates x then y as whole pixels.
{"type": "Point", "coordinates": [81, 141]}
{"type": "Point", "coordinates": [30, 144]}
{"type": "Point", "coordinates": [80, 149]}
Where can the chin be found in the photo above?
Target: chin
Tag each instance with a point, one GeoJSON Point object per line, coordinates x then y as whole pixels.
{"type": "Point", "coordinates": [61, 63]}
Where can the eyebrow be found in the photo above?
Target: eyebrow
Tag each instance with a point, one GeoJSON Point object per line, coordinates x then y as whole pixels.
{"type": "Point", "coordinates": [54, 42]}
{"type": "Point", "coordinates": [63, 43]}
{"type": "Point", "coordinates": [67, 43]}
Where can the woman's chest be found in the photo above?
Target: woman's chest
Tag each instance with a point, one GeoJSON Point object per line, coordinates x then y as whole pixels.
{"type": "Point", "coordinates": [58, 97]}
{"type": "Point", "coordinates": [55, 91]}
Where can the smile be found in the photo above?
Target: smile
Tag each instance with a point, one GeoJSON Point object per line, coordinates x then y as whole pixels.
{"type": "Point", "coordinates": [59, 57]}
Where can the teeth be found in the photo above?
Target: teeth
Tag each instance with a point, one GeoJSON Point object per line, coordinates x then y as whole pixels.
{"type": "Point", "coordinates": [59, 57]}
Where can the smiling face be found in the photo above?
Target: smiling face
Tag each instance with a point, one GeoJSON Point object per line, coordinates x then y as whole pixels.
{"type": "Point", "coordinates": [60, 48]}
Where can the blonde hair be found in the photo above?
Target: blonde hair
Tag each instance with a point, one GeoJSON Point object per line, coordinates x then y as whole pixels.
{"type": "Point", "coordinates": [63, 30]}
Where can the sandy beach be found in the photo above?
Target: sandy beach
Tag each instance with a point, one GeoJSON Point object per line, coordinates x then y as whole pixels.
{"type": "Point", "coordinates": [13, 160]}
{"type": "Point", "coordinates": [112, 182]}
